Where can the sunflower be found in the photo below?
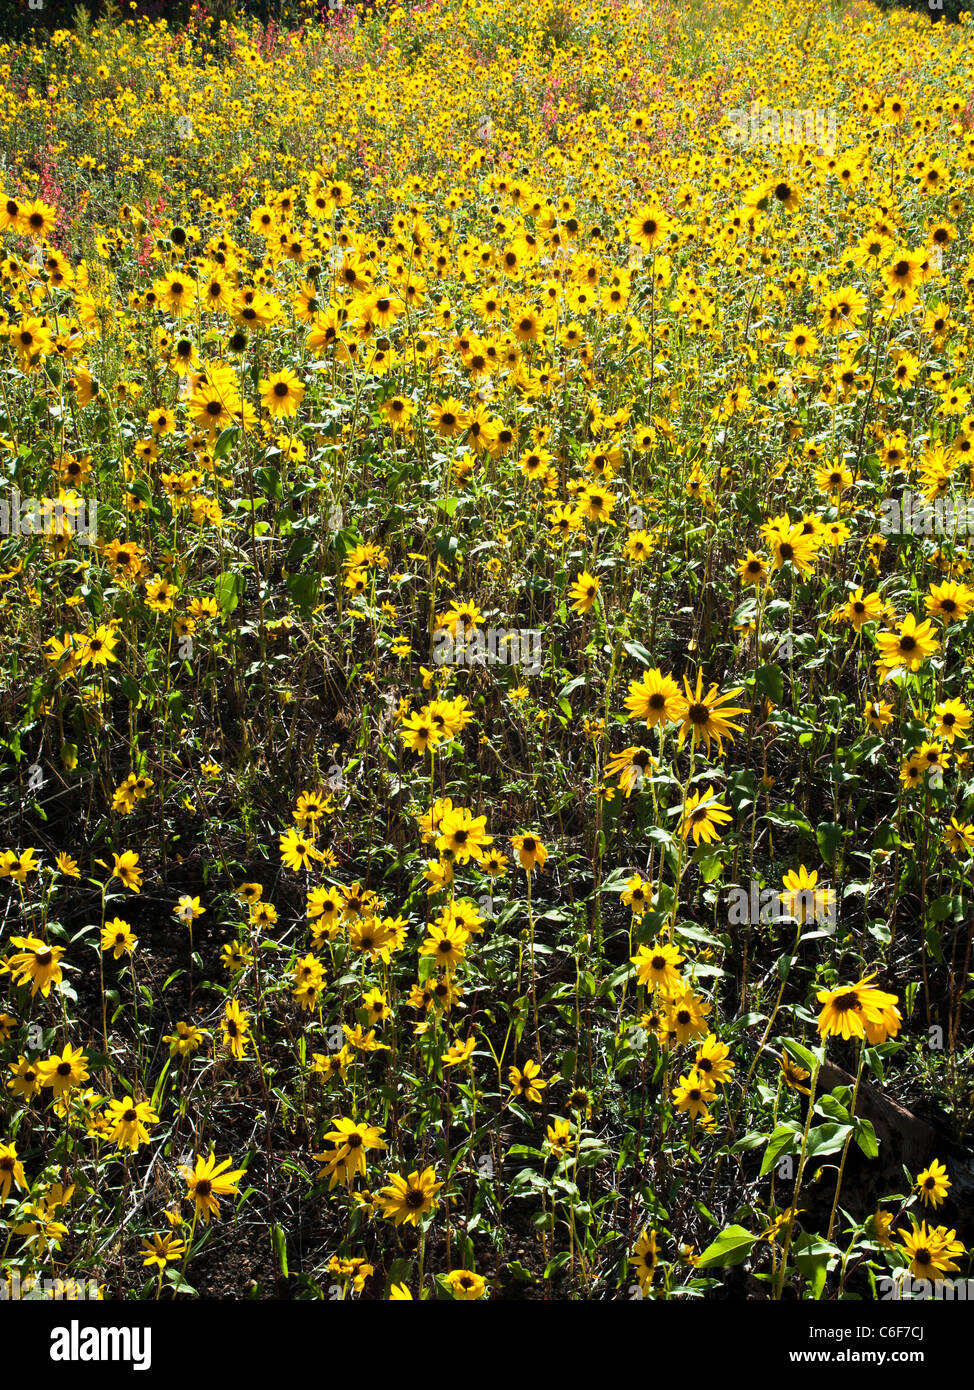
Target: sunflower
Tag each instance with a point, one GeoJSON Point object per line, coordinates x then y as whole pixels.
{"type": "Point", "coordinates": [236, 1025]}
{"type": "Point", "coordinates": [351, 1140]}
{"type": "Point", "coordinates": [631, 766]}
{"type": "Point", "coordinates": [448, 418]}
{"type": "Point", "coordinates": [655, 698]}
{"type": "Point", "coordinates": [706, 718]}
{"type": "Point", "coordinates": [860, 608]}
{"type": "Point", "coordinates": [858, 1011]}
{"type": "Point", "coordinates": [713, 1060]}
{"type": "Point", "coordinates": [420, 734]}
{"type": "Point", "coordinates": [949, 602]}
{"type": "Point", "coordinates": [645, 1258]}
{"type": "Point", "coordinates": [908, 647]}
{"type": "Point", "coordinates": [463, 834]}
{"type": "Point", "coordinates": [11, 1170]}
{"type": "Point", "coordinates": [649, 227]}
{"type": "Point", "coordinates": [693, 1093]}
{"type": "Point", "coordinates": [98, 648]}
{"type": "Point", "coordinates": [447, 944]}
{"type": "Point", "coordinates": [595, 503]}
{"type": "Point", "coordinates": [298, 850]}
{"type": "Point", "coordinates": [786, 194]}
{"type": "Point", "coordinates": [38, 219]}
{"type": "Point", "coordinates": [903, 269]}
{"type": "Point", "coordinates": [117, 936]}
{"type": "Point", "coordinates": [127, 1123]}
{"type": "Point", "coordinates": [932, 1184]}
{"type": "Point", "coordinates": [752, 569]}
{"type": "Point", "coordinates": [410, 1198]}
{"type": "Point", "coordinates": [959, 836]}
{"type": "Point", "coordinates": [791, 545]}
{"type": "Point", "coordinates": [213, 408]}
{"type": "Point", "coordinates": [177, 292]}
{"type": "Point", "coordinates": [657, 966]}
{"type": "Point", "coordinates": [686, 1014]}
{"type": "Point", "coordinates": [584, 592]}
{"type": "Point", "coordinates": [531, 852]}
{"type": "Point", "coordinates": [162, 1250]}
{"type": "Point", "coordinates": [702, 815]}
{"type": "Point", "coordinates": [36, 963]}
{"type": "Point", "coordinates": [877, 714]}
{"type": "Point", "coordinates": [281, 394]}
{"type": "Point", "coordinates": [801, 898]}
{"type": "Point", "coordinates": [24, 1079]}
{"type": "Point", "coordinates": [466, 1286]}
{"type": "Point", "coordinates": [64, 1073]}
{"type": "Point", "coordinates": [638, 895]}
{"type": "Point", "coordinates": [527, 1084]}
{"type": "Point", "coordinates": [930, 1251]}
{"type": "Point", "coordinates": [208, 1181]}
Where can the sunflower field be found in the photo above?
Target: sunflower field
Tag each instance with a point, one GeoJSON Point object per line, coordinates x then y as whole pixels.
{"type": "Point", "coordinates": [487, 653]}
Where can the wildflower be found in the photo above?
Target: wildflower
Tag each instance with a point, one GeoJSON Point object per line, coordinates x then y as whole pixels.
{"type": "Point", "coordinates": [645, 1259]}
{"type": "Point", "coordinates": [656, 699]}
{"type": "Point", "coordinates": [858, 1011]}
{"type": "Point", "coordinates": [707, 717]}
{"type": "Point", "coordinates": [350, 1142]}
{"type": "Point", "coordinates": [527, 1084]}
{"type": "Point", "coordinates": [126, 868]}
{"type": "Point", "coordinates": [466, 1286]}
{"type": "Point", "coordinates": [65, 1072]}
{"type": "Point", "coordinates": [128, 1123]}
{"type": "Point", "coordinates": [583, 592]}
{"type": "Point", "coordinates": [531, 852]}
{"type": "Point", "coordinates": [35, 963]}
{"type": "Point", "coordinates": [932, 1184]}
{"type": "Point", "coordinates": [11, 1170]}
{"type": "Point", "coordinates": [931, 1251]}
{"type": "Point", "coordinates": [236, 1027]}
{"type": "Point", "coordinates": [186, 1040]}
{"type": "Point", "coordinates": [702, 815]}
{"type": "Point", "coordinates": [209, 1180]}
{"type": "Point", "coordinates": [188, 909]}
{"type": "Point", "coordinates": [409, 1199]}
{"type": "Point", "coordinates": [162, 1250]}
{"type": "Point", "coordinates": [657, 966]}
{"type": "Point", "coordinates": [693, 1093]}
{"type": "Point", "coordinates": [906, 648]}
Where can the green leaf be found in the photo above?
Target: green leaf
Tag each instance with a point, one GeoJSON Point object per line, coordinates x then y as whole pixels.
{"type": "Point", "coordinates": [268, 479]}
{"type": "Point", "coordinates": [803, 1055]}
{"type": "Point", "coordinates": [280, 1247]}
{"type": "Point", "coordinates": [731, 1247]}
{"type": "Point", "coordinates": [866, 1137]}
{"type": "Point", "coordinates": [827, 1139]}
{"type": "Point", "coordinates": [303, 589]}
{"type": "Point", "coordinates": [225, 443]}
{"type": "Point", "coordinates": [829, 839]}
{"type": "Point", "coordinates": [769, 681]}
{"type": "Point", "coordinates": [785, 1140]}
{"type": "Point", "coordinates": [638, 653]}
{"type": "Point", "coordinates": [813, 1256]}
{"type": "Point", "coordinates": [228, 590]}
{"type": "Point", "coordinates": [754, 1140]}
{"type": "Point", "coordinates": [828, 1105]}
